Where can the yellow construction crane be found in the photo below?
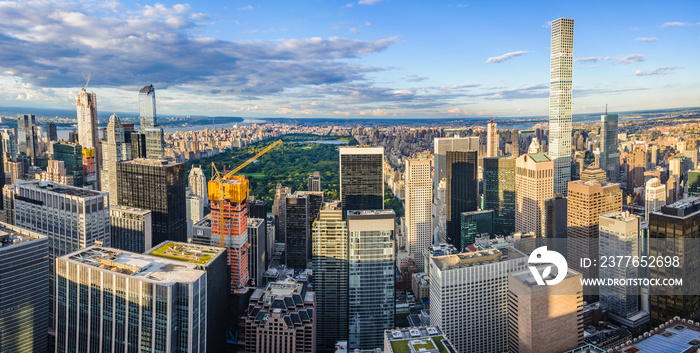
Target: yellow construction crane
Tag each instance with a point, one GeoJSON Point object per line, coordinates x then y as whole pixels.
{"type": "Point", "coordinates": [234, 188]}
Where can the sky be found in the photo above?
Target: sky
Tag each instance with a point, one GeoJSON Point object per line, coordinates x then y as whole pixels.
{"type": "Point", "coordinates": [347, 59]}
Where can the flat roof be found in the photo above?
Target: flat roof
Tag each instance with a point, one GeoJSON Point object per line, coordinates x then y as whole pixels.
{"type": "Point", "coordinates": [61, 189]}
{"type": "Point", "coordinates": [188, 252]}
{"type": "Point", "coordinates": [155, 162]}
{"type": "Point", "coordinates": [469, 259]}
{"type": "Point", "coordinates": [11, 235]}
{"type": "Point", "coordinates": [539, 157]}
{"type": "Point", "coordinates": [528, 279]}
{"type": "Point", "coordinates": [675, 337]}
{"type": "Point", "coordinates": [144, 267]}
{"type": "Point", "coordinates": [426, 339]}
{"type": "Point", "coordinates": [132, 210]}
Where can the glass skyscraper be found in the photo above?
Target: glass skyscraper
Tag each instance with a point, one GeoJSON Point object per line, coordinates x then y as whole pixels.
{"type": "Point", "coordinates": [475, 224]}
{"type": "Point", "coordinates": [560, 88]}
{"type": "Point", "coordinates": [462, 191]}
{"type": "Point", "coordinates": [362, 178]}
{"type": "Point", "coordinates": [72, 156]}
{"type": "Point", "coordinates": [27, 136]}
{"type": "Point", "coordinates": [499, 192]}
{"type": "Point", "coordinates": [147, 107]}
{"type": "Point", "coordinates": [609, 159]}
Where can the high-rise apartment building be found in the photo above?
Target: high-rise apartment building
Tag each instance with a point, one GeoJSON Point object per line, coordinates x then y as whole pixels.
{"type": "Point", "coordinates": [673, 231]}
{"type": "Point", "coordinates": [71, 155]}
{"type": "Point", "coordinates": [492, 139]}
{"type": "Point", "coordinates": [586, 201]}
{"type": "Point", "coordinates": [362, 178]}
{"type": "Point", "coordinates": [654, 196]}
{"type": "Point", "coordinates": [281, 318]}
{"type": "Point", "coordinates": [195, 211]}
{"type": "Point", "coordinates": [131, 228]}
{"type": "Point", "coordinates": [88, 138]}
{"type": "Point", "coordinates": [534, 175]}
{"type": "Point", "coordinates": [301, 211]}
{"type": "Point", "coordinates": [330, 268]}
{"type": "Point", "coordinates": [609, 153]}
{"type": "Point", "coordinates": [113, 155]}
{"type": "Point", "coordinates": [462, 191]}
{"type": "Point", "coordinates": [544, 319]}
{"type": "Point", "coordinates": [117, 301]}
{"type": "Point", "coordinates": [56, 173]}
{"type": "Point", "coordinates": [315, 182]}
{"type": "Point", "coordinates": [257, 256]}
{"type": "Point", "coordinates": [560, 88]}
{"type": "Point", "coordinates": [27, 138]}
{"type": "Point", "coordinates": [419, 201]}
{"type": "Point", "coordinates": [198, 183]}
{"type": "Point", "coordinates": [371, 282]}
{"type": "Point", "coordinates": [24, 290]}
{"type": "Point", "coordinates": [158, 186]}
{"type": "Point", "coordinates": [51, 133]}
{"type": "Point", "coordinates": [469, 299]}
{"type": "Point", "coordinates": [147, 107]}
{"type": "Point", "coordinates": [499, 192]}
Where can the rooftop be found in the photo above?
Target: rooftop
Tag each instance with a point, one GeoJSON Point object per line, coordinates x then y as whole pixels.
{"type": "Point", "coordinates": [198, 254]}
{"type": "Point", "coordinates": [527, 278]}
{"type": "Point", "coordinates": [61, 189]}
{"type": "Point", "coordinates": [371, 213]}
{"type": "Point", "coordinates": [145, 267]}
{"type": "Point", "coordinates": [469, 259]}
{"type": "Point", "coordinates": [675, 336]}
{"type": "Point", "coordinates": [540, 157]}
{"type": "Point", "coordinates": [427, 339]}
{"type": "Point", "coordinates": [11, 235]}
{"type": "Point", "coordinates": [133, 210]}
{"type": "Point", "coordinates": [155, 162]}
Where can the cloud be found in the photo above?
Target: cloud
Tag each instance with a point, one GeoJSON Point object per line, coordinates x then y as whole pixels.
{"type": "Point", "coordinates": [462, 5]}
{"type": "Point", "coordinates": [246, 8]}
{"type": "Point", "coordinates": [368, 2]}
{"type": "Point", "coordinates": [628, 59]}
{"type": "Point", "coordinates": [591, 59]}
{"type": "Point", "coordinates": [677, 24]}
{"type": "Point", "coordinates": [57, 45]}
{"type": "Point", "coordinates": [647, 39]}
{"type": "Point", "coordinates": [415, 78]}
{"type": "Point", "coordinates": [657, 71]}
{"type": "Point", "coordinates": [504, 57]}
{"type": "Point", "coordinates": [525, 92]}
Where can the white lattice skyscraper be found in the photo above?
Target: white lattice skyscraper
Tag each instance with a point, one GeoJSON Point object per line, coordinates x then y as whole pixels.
{"type": "Point", "coordinates": [419, 199]}
{"type": "Point", "coordinates": [561, 67]}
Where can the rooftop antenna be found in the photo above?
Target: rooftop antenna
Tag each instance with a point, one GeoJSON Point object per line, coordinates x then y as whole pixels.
{"type": "Point", "coordinates": [606, 109]}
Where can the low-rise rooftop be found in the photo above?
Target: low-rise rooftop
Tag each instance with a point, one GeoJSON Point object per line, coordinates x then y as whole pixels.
{"type": "Point", "coordinates": [11, 235]}
{"type": "Point", "coordinates": [427, 339]}
{"type": "Point", "coordinates": [675, 336]}
{"type": "Point", "coordinates": [197, 254]}
{"type": "Point", "coordinates": [469, 259]}
{"type": "Point", "coordinates": [61, 189]}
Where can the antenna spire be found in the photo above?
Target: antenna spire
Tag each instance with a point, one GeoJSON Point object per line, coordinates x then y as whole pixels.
{"type": "Point", "coordinates": [606, 109]}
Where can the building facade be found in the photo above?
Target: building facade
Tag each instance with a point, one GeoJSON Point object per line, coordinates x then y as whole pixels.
{"type": "Point", "coordinates": [654, 196]}
{"type": "Point", "coordinates": [362, 178]}
{"type": "Point", "coordinates": [609, 159]}
{"type": "Point", "coordinates": [534, 177]}
{"type": "Point", "coordinates": [461, 193]}
{"type": "Point", "coordinates": [258, 256]}
{"type": "Point", "coordinates": [131, 228]}
{"type": "Point", "coordinates": [499, 192]}
{"type": "Point", "coordinates": [88, 138]}
{"type": "Point", "coordinates": [418, 206]}
{"type": "Point", "coordinates": [71, 154]}
{"type": "Point", "coordinates": [198, 183]}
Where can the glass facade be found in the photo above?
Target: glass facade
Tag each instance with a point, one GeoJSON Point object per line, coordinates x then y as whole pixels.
{"type": "Point", "coordinates": [476, 224]}
{"type": "Point", "coordinates": [147, 107]}
{"type": "Point", "coordinates": [609, 153]}
{"type": "Point", "coordinates": [499, 193]}
{"type": "Point", "coordinates": [72, 156]}
{"type": "Point", "coordinates": [462, 191]}
{"type": "Point", "coordinates": [362, 178]}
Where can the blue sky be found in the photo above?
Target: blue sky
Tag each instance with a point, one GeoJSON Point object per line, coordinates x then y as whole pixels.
{"type": "Point", "coordinates": [365, 58]}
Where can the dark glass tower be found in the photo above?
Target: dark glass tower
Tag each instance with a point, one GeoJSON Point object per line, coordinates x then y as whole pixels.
{"type": "Point", "coordinates": [138, 145]}
{"type": "Point", "coordinates": [461, 193]}
{"type": "Point", "coordinates": [72, 156]}
{"type": "Point", "coordinates": [609, 153]}
{"type": "Point", "coordinates": [26, 137]}
{"type": "Point", "coordinates": [51, 132]}
{"type": "Point", "coordinates": [362, 178]}
{"type": "Point", "coordinates": [499, 192]}
{"type": "Point", "coordinates": [158, 186]}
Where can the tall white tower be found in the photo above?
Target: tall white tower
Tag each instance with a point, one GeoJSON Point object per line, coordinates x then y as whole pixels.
{"type": "Point", "coordinates": [560, 87]}
{"type": "Point", "coordinates": [113, 154]}
{"type": "Point", "coordinates": [492, 140]}
{"type": "Point", "coordinates": [87, 137]}
{"type": "Point", "coordinates": [198, 183]}
{"type": "Point", "coordinates": [419, 199]}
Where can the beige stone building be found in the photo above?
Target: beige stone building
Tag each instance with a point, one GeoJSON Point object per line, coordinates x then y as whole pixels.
{"type": "Point", "coordinates": [533, 185]}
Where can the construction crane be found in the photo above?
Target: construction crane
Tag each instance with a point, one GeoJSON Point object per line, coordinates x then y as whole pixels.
{"type": "Point", "coordinates": [87, 81]}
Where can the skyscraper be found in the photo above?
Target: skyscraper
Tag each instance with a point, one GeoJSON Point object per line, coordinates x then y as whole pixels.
{"type": "Point", "coordinates": [654, 196]}
{"type": "Point", "coordinates": [555, 223]}
{"type": "Point", "coordinates": [462, 191]}
{"type": "Point", "coordinates": [534, 174]}
{"type": "Point", "coordinates": [544, 319]}
{"type": "Point", "coordinates": [154, 142]}
{"type": "Point", "coordinates": [492, 139]}
{"type": "Point", "coordinates": [362, 178]}
{"type": "Point", "coordinates": [71, 154]}
{"type": "Point", "coordinates": [315, 182]}
{"type": "Point", "coordinates": [158, 186]}
{"type": "Point", "coordinates": [330, 266]}
{"type": "Point", "coordinates": [469, 297]}
{"type": "Point", "coordinates": [257, 257]}
{"type": "Point", "coordinates": [198, 183]}
{"type": "Point", "coordinates": [587, 200]}
{"type": "Point", "coordinates": [138, 145]}
{"type": "Point", "coordinates": [51, 133]}
{"type": "Point", "coordinates": [27, 137]}
{"type": "Point", "coordinates": [24, 293]}
{"type": "Point", "coordinates": [694, 182]}
{"type": "Point", "coordinates": [636, 165]}
{"type": "Point", "coordinates": [279, 206]}
{"type": "Point", "coordinates": [302, 209]}
{"type": "Point", "coordinates": [475, 224]}
{"type": "Point", "coordinates": [371, 306]}
{"type": "Point", "coordinates": [499, 192]}
{"type": "Point", "coordinates": [419, 200]}
{"type": "Point", "coordinates": [88, 139]}
{"type": "Point", "coordinates": [609, 153]}
{"type": "Point", "coordinates": [141, 303]}
{"type": "Point", "coordinates": [147, 107]}
{"type": "Point", "coordinates": [131, 228]}
{"type": "Point", "coordinates": [113, 155]}
{"type": "Point", "coordinates": [560, 88]}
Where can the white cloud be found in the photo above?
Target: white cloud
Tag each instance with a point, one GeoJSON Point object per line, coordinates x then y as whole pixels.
{"type": "Point", "coordinates": [677, 24]}
{"type": "Point", "coordinates": [246, 8]}
{"type": "Point", "coordinates": [647, 39]}
{"type": "Point", "coordinates": [504, 57]}
{"type": "Point", "coordinates": [657, 71]}
{"type": "Point", "coordinates": [592, 59]}
{"type": "Point", "coordinates": [368, 2]}
{"type": "Point", "coordinates": [628, 59]}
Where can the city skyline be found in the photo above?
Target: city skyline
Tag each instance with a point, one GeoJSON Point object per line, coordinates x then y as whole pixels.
{"type": "Point", "coordinates": [346, 59]}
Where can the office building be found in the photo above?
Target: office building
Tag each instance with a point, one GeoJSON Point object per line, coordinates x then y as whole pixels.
{"type": "Point", "coordinates": [362, 178]}
{"type": "Point", "coordinates": [51, 133]}
{"type": "Point", "coordinates": [141, 302]}
{"type": "Point", "coordinates": [88, 138]}
{"type": "Point", "coordinates": [593, 173]}
{"type": "Point", "coordinates": [154, 142]}
{"type": "Point", "coordinates": [476, 224]}
{"type": "Point", "coordinates": [418, 206]}
{"type": "Point", "coordinates": [158, 186]}
{"type": "Point", "coordinates": [71, 154]}
{"type": "Point", "coordinates": [9, 143]}
{"type": "Point", "coordinates": [198, 183]}
{"type": "Point", "coordinates": [56, 173]}
{"type": "Point", "coordinates": [468, 297]}
{"type": "Point", "coordinates": [426, 339]}
{"type": "Point", "coordinates": [555, 223]}
{"type": "Point", "coordinates": [147, 107]}
{"type": "Point", "coordinates": [213, 261]}
{"type": "Point", "coordinates": [371, 282]}
{"type": "Point", "coordinates": [301, 211]}
{"type": "Point", "coordinates": [138, 145]}
{"type": "Point", "coordinates": [609, 159]}
{"type": "Point", "coordinates": [560, 88]}
{"type": "Point", "coordinates": [281, 318]}
{"type": "Point", "coordinates": [544, 319]}
{"type": "Point", "coordinates": [534, 175]}
{"type": "Point", "coordinates": [654, 196]}
{"type": "Point", "coordinates": [586, 201]}
{"type": "Point", "coordinates": [315, 182]}
{"type": "Point", "coordinates": [330, 280]}
{"type": "Point", "coordinates": [462, 191]}
{"type": "Point", "coordinates": [636, 165]}
{"type": "Point", "coordinates": [440, 249]}
{"type": "Point", "coordinates": [131, 228]}
{"type": "Point", "coordinates": [673, 231]}
{"type": "Point", "coordinates": [257, 256]}
{"type": "Point", "coordinates": [27, 137]}
{"type": "Point", "coordinates": [24, 290]}
{"type": "Point", "coordinates": [257, 208]}
{"type": "Point", "coordinates": [195, 211]}
{"type": "Point", "coordinates": [113, 155]}
{"type": "Point", "coordinates": [674, 335]}
{"type": "Point", "coordinates": [201, 233]}
{"type": "Point", "coordinates": [279, 206]}
{"type": "Point", "coordinates": [499, 192]}
{"type": "Point", "coordinates": [694, 183]}
{"type": "Point", "coordinates": [492, 139]}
